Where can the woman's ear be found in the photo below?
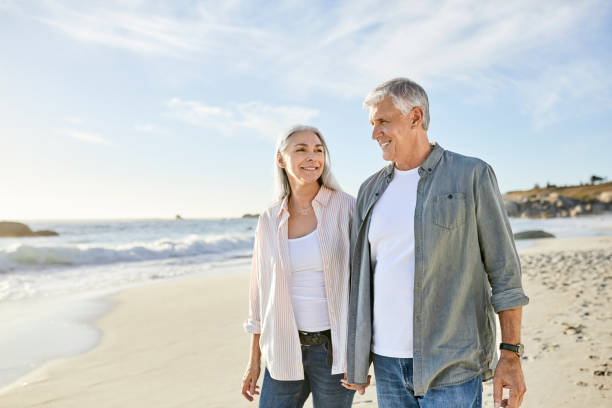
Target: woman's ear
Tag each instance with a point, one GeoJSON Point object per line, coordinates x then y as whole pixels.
{"type": "Point", "coordinates": [279, 160]}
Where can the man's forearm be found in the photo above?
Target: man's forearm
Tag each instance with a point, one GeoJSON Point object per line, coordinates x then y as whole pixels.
{"type": "Point", "coordinates": [510, 322]}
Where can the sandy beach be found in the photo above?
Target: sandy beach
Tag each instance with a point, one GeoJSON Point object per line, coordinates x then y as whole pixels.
{"type": "Point", "coordinates": [180, 343]}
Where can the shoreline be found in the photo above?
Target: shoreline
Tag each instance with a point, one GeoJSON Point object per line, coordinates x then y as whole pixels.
{"type": "Point", "coordinates": [66, 325]}
{"type": "Point", "coordinates": [179, 342]}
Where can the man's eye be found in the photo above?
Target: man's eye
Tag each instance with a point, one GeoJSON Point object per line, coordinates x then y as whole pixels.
{"type": "Point", "coordinates": [300, 150]}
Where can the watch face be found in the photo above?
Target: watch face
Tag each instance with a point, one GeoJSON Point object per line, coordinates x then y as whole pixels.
{"type": "Point", "coordinates": [521, 349]}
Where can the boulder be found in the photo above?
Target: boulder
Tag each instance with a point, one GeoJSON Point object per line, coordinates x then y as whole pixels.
{"type": "Point", "coordinates": [577, 211]}
{"type": "Point", "coordinates": [45, 233]}
{"type": "Point", "coordinates": [513, 209]}
{"type": "Point", "coordinates": [598, 208]}
{"type": "Point", "coordinates": [17, 229]}
{"type": "Point", "coordinates": [606, 197]}
{"type": "Point", "coordinates": [535, 234]}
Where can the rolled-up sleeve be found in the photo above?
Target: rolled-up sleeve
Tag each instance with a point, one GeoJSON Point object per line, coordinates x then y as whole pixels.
{"type": "Point", "coordinates": [252, 324]}
{"type": "Point", "coordinates": [496, 242]}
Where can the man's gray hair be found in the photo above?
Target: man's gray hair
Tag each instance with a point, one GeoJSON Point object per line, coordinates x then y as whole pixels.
{"type": "Point", "coordinates": [283, 188]}
{"type": "Point", "coordinates": [405, 94]}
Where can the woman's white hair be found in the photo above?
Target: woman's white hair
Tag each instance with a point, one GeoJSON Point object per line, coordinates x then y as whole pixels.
{"type": "Point", "coordinates": [283, 188]}
{"type": "Point", "coordinates": [405, 94]}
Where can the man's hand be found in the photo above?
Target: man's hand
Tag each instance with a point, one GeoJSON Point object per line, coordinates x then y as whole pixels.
{"type": "Point", "coordinates": [509, 374]}
{"type": "Point", "coordinates": [359, 388]}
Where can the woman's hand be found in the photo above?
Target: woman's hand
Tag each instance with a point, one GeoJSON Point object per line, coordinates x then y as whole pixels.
{"type": "Point", "coordinates": [359, 388]}
{"type": "Point", "coordinates": [249, 381]}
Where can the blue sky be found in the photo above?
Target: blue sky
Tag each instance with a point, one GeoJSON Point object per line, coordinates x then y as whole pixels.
{"type": "Point", "coordinates": [121, 109]}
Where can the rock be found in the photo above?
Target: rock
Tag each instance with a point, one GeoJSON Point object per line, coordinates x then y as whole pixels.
{"type": "Point", "coordinates": [250, 216]}
{"type": "Point", "coordinates": [178, 217]}
{"type": "Point", "coordinates": [17, 229]}
{"type": "Point", "coordinates": [14, 229]}
{"type": "Point", "coordinates": [45, 233]}
{"type": "Point", "coordinates": [577, 210]}
{"type": "Point", "coordinates": [513, 209]}
{"type": "Point", "coordinates": [606, 197]}
{"type": "Point", "coordinates": [535, 234]}
{"type": "Point", "coordinates": [598, 208]}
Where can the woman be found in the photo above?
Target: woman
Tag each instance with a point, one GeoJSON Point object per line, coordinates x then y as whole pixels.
{"type": "Point", "coordinates": [300, 281]}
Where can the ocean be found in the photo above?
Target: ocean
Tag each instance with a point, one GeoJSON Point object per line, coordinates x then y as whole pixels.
{"type": "Point", "coordinates": [111, 254]}
{"type": "Point", "coordinates": [105, 254]}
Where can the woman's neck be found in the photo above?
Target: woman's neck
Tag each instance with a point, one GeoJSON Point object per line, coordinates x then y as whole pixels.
{"type": "Point", "coordinates": [302, 194]}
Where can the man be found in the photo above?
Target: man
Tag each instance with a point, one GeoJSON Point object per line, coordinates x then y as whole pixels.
{"type": "Point", "coordinates": [433, 258]}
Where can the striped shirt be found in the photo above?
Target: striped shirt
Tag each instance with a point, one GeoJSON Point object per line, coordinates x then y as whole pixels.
{"type": "Point", "coordinates": [270, 306]}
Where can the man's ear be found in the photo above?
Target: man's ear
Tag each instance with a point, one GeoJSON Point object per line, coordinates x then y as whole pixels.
{"type": "Point", "coordinates": [416, 116]}
{"type": "Point", "coordinates": [279, 160]}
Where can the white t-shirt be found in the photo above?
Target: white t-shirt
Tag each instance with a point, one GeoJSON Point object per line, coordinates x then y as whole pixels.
{"type": "Point", "coordinates": [308, 295]}
{"type": "Point", "coordinates": [391, 237]}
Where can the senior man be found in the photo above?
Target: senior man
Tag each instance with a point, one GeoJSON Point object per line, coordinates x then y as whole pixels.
{"type": "Point", "coordinates": [433, 258]}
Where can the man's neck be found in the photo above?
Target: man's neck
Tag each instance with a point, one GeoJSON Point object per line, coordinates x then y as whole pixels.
{"type": "Point", "coordinates": [416, 156]}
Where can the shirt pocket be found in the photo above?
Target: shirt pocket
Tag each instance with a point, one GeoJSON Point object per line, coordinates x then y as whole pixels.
{"type": "Point", "coordinates": [449, 210]}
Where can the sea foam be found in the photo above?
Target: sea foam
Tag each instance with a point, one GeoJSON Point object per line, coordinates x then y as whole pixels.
{"type": "Point", "coordinates": [25, 256]}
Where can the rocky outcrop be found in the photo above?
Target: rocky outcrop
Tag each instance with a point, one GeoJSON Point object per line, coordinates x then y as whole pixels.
{"type": "Point", "coordinates": [536, 234]}
{"type": "Point", "coordinates": [549, 205]}
{"type": "Point", "coordinates": [17, 229]}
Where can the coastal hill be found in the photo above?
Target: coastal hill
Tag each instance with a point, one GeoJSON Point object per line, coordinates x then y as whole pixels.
{"type": "Point", "coordinates": [559, 201]}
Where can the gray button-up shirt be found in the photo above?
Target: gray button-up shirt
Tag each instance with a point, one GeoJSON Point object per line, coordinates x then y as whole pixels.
{"type": "Point", "coordinates": [466, 267]}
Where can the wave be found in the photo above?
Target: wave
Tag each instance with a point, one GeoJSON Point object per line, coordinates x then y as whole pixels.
{"type": "Point", "coordinates": [23, 256]}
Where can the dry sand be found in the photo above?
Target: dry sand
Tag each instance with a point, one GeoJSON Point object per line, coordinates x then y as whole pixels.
{"type": "Point", "coordinates": [180, 343]}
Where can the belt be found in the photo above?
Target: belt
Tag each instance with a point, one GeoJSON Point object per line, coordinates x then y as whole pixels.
{"type": "Point", "coordinates": [315, 338]}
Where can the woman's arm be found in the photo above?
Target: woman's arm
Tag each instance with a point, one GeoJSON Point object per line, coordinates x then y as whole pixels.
{"type": "Point", "coordinates": [251, 375]}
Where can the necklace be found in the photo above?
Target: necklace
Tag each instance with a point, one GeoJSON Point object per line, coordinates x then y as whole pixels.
{"type": "Point", "coordinates": [302, 211]}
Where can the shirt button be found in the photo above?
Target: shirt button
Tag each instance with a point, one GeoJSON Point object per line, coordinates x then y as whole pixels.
{"type": "Point", "coordinates": [450, 196]}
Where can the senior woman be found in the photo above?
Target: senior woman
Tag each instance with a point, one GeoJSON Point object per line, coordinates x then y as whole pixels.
{"type": "Point", "coordinates": [300, 281]}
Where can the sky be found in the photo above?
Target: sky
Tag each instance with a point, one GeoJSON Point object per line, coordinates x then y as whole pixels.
{"type": "Point", "coordinates": [148, 109]}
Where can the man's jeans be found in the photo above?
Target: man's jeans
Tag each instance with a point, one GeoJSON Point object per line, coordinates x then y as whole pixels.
{"type": "Point", "coordinates": [394, 388]}
{"type": "Point", "coordinates": [325, 387]}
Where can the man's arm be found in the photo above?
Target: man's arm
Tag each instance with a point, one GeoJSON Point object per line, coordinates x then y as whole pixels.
{"type": "Point", "coordinates": [503, 268]}
{"type": "Point", "coordinates": [509, 373]}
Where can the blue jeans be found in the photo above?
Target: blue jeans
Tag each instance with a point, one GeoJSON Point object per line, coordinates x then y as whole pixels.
{"type": "Point", "coordinates": [394, 388]}
{"type": "Point", "coordinates": [318, 379]}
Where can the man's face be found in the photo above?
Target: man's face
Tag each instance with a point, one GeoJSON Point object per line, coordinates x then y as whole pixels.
{"type": "Point", "coordinates": [392, 129]}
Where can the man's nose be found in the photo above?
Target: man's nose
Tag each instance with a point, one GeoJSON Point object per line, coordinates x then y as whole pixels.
{"type": "Point", "coordinates": [375, 132]}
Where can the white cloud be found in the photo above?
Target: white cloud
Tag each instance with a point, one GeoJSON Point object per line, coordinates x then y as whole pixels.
{"type": "Point", "coordinates": [346, 48]}
{"type": "Point", "coordinates": [86, 136]}
{"type": "Point", "coordinates": [268, 121]}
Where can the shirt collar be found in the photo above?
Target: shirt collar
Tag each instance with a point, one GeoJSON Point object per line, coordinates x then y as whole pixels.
{"type": "Point", "coordinates": [322, 198]}
{"type": "Point", "coordinates": [430, 161]}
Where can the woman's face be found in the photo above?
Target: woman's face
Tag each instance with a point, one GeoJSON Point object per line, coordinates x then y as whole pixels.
{"type": "Point", "coordinates": [303, 158]}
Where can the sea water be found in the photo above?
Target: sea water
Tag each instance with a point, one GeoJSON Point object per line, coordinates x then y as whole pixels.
{"type": "Point", "coordinates": [105, 254]}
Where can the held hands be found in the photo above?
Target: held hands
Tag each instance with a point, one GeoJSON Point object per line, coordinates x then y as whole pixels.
{"type": "Point", "coordinates": [359, 388]}
{"type": "Point", "coordinates": [249, 381]}
{"type": "Point", "coordinates": [509, 374]}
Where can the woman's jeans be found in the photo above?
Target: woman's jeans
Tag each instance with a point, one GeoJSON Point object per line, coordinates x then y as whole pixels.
{"type": "Point", "coordinates": [325, 387]}
{"type": "Point", "coordinates": [394, 388]}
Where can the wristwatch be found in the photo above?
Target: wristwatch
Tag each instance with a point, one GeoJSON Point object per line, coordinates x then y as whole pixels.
{"type": "Point", "coordinates": [519, 349]}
